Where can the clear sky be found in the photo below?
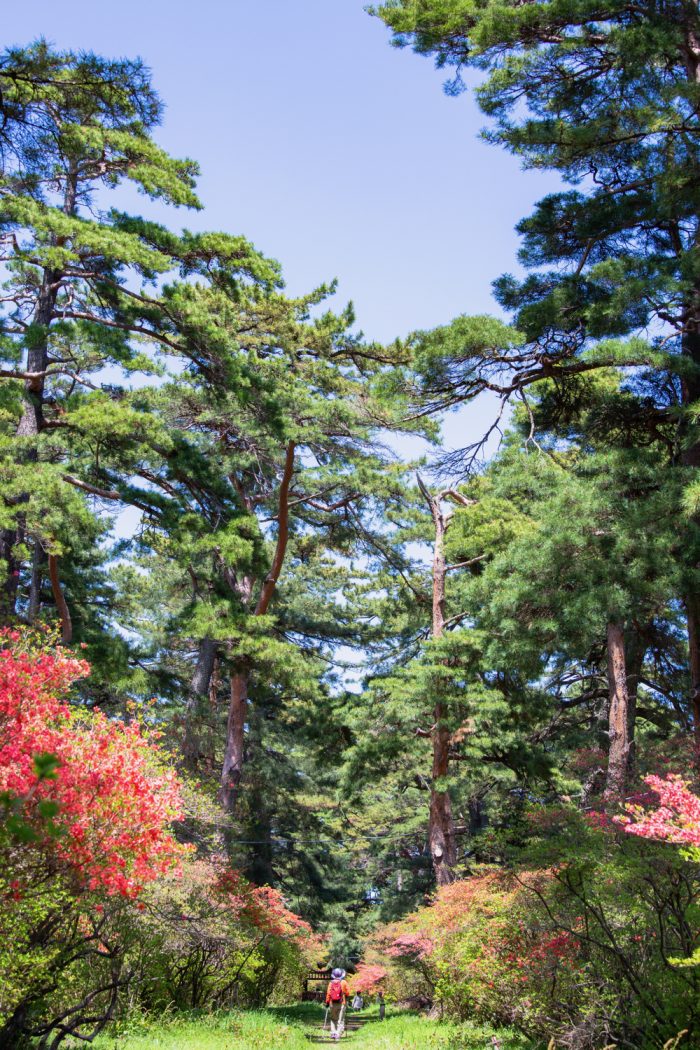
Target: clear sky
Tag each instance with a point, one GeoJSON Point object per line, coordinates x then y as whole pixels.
{"type": "Point", "coordinates": [332, 151]}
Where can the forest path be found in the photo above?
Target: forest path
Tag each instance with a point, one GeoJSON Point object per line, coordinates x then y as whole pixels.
{"type": "Point", "coordinates": [322, 1035]}
{"type": "Point", "coordinates": [299, 1027]}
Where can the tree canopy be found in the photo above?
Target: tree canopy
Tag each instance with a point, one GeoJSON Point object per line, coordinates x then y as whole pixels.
{"type": "Point", "coordinates": [317, 701]}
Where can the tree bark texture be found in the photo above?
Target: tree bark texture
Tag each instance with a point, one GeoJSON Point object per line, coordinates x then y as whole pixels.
{"type": "Point", "coordinates": [32, 419]}
{"type": "Point", "coordinates": [441, 828]}
{"type": "Point", "coordinates": [619, 749]}
{"type": "Point", "coordinates": [60, 601]}
{"type": "Point", "coordinates": [268, 587]}
{"type": "Point", "coordinates": [234, 754]}
{"type": "Point", "coordinates": [693, 621]}
{"type": "Point", "coordinates": [234, 749]}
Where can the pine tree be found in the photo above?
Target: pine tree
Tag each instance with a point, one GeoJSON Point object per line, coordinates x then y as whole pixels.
{"type": "Point", "coordinates": [441, 832]}
{"type": "Point", "coordinates": [608, 97]}
{"type": "Point", "coordinates": [75, 127]}
{"type": "Point", "coordinates": [258, 468]}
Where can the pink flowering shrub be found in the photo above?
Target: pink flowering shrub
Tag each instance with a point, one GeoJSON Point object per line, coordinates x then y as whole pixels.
{"type": "Point", "coordinates": [581, 949]}
{"type": "Point", "coordinates": [370, 979]}
{"type": "Point", "coordinates": [111, 795]}
{"type": "Point", "coordinates": [472, 946]}
{"type": "Point", "coordinates": [413, 946]}
{"type": "Point", "coordinates": [86, 824]}
{"type": "Point", "coordinates": [94, 886]}
{"type": "Point", "coordinates": [675, 819]}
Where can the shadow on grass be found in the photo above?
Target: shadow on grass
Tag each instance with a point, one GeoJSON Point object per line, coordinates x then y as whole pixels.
{"type": "Point", "coordinates": [302, 1013]}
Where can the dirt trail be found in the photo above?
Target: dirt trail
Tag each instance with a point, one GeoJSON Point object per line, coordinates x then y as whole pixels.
{"type": "Point", "coordinates": [319, 1034]}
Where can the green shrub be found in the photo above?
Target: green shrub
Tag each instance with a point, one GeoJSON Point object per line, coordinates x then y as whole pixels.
{"type": "Point", "coordinates": [581, 950]}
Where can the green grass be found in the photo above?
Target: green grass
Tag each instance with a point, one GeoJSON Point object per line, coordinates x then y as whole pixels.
{"type": "Point", "coordinates": [403, 1031]}
{"type": "Point", "coordinates": [285, 1028]}
{"type": "Point", "coordinates": [245, 1030]}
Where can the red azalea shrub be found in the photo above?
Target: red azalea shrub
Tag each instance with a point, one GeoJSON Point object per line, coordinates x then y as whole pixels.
{"type": "Point", "coordinates": [369, 979]}
{"type": "Point", "coordinates": [211, 939]}
{"type": "Point", "coordinates": [87, 807]}
{"type": "Point", "coordinates": [95, 889]}
{"type": "Point", "coordinates": [582, 951]}
{"type": "Point", "coordinates": [262, 908]}
{"type": "Point", "coordinates": [676, 818]}
{"type": "Point", "coordinates": [477, 950]}
{"type": "Point", "coordinates": [414, 946]}
{"type": "Point", "coordinates": [458, 950]}
{"type": "Point", "coordinates": [113, 797]}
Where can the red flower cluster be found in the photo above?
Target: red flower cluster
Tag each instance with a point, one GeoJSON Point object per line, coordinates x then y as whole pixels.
{"type": "Point", "coordinates": [114, 800]}
{"type": "Point", "coordinates": [549, 948]}
{"type": "Point", "coordinates": [677, 818]}
{"type": "Point", "coordinates": [369, 979]}
{"type": "Point", "coordinates": [598, 819]}
{"type": "Point", "coordinates": [261, 907]}
{"type": "Point", "coordinates": [411, 946]}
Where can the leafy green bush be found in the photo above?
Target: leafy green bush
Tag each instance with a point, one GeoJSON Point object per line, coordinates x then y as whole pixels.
{"type": "Point", "coordinates": [208, 939]}
{"type": "Point", "coordinates": [582, 950]}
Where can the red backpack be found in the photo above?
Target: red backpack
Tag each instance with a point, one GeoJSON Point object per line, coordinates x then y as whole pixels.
{"type": "Point", "coordinates": [336, 991]}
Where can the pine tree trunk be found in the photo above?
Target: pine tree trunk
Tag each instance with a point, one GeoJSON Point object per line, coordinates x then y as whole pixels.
{"type": "Point", "coordinates": [635, 649]}
{"type": "Point", "coordinates": [690, 391]}
{"type": "Point", "coordinates": [234, 756]}
{"type": "Point", "coordinates": [441, 829]}
{"type": "Point", "coordinates": [32, 420]}
{"type": "Point", "coordinates": [38, 562]}
{"type": "Point", "coordinates": [60, 601]}
{"type": "Point", "coordinates": [693, 621]}
{"type": "Point", "coordinates": [443, 846]}
{"type": "Point", "coordinates": [619, 749]}
{"type": "Point", "coordinates": [199, 690]}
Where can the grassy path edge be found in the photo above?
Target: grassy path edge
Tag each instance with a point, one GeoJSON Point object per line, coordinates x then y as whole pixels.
{"type": "Point", "coordinates": [289, 1028]}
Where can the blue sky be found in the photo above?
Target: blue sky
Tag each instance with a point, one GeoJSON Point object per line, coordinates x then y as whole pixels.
{"type": "Point", "coordinates": [332, 151]}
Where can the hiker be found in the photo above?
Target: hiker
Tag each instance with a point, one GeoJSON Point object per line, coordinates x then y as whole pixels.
{"type": "Point", "coordinates": [382, 1006]}
{"type": "Point", "coordinates": [357, 1002]}
{"type": "Point", "coordinates": [337, 997]}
